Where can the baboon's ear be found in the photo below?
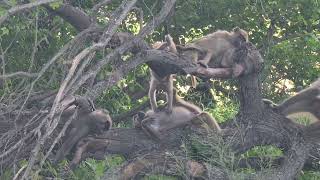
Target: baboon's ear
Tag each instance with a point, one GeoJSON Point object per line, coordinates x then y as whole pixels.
{"type": "Point", "coordinates": [236, 29]}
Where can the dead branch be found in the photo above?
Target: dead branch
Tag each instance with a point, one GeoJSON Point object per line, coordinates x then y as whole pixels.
{"type": "Point", "coordinates": [23, 7]}
{"type": "Point", "coordinates": [18, 74]}
{"type": "Point", "coordinates": [121, 117]}
{"type": "Point", "coordinates": [53, 122]}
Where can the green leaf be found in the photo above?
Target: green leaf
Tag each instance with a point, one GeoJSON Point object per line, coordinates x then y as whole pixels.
{"type": "Point", "coordinates": [4, 31]}
{"type": "Point", "coordinates": [56, 5]}
{"type": "Point", "coordinates": [3, 11]}
{"type": "Point", "coordinates": [13, 2]}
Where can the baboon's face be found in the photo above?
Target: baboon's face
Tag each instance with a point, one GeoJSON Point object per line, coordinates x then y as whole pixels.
{"type": "Point", "coordinates": [101, 121]}
{"type": "Point", "coordinates": [240, 35]}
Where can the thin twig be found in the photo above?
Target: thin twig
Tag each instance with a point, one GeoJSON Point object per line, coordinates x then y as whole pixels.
{"type": "Point", "coordinates": [124, 8]}
{"type": "Point", "coordinates": [99, 5]}
{"type": "Point", "coordinates": [23, 7]}
{"type": "Point", "coordinates": [19, 74]}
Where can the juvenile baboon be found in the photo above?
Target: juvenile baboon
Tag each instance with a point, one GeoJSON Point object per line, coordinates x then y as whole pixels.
{"type": "Point", "coordinates": [88, 121]}
{"type": "Point", "coordinates": [162, 83]}
{"type": "Point", "coordinates": [216, 50]}
{"type": "Point", "coordinates": [215, 45]}
{"type": "Point", "coordinates": [307, 100]}
{"type": "Point", "coordinates": [88, 144]}
{"type": "Point", "coordinates": [156, 123]}
{"type": "Point", "coordinates": [203, 117]}
{"type": "Point", "coordinates": [118, 39]}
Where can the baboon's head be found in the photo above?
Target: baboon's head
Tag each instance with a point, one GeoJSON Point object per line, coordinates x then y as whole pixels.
{"type": "Point", "coordinates": [101, 121]}
{"type": "Point", "coordinates": [241, 35]}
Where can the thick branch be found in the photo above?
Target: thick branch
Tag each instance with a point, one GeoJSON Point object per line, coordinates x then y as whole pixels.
{"type": "Point", "coordinates": [75, 16]}
{"type": "Point", "coordinates": [130, 113]}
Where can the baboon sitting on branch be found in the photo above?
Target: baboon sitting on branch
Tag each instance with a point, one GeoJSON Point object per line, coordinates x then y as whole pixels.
{"type": "Point", "coordinates": [88, 121]}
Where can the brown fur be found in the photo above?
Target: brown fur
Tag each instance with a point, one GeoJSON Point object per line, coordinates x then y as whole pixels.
{"type": "Point", "coordinates": [159, 83]}
{"type": "Point", "coordinates": [88, 121]}
{"type": "Point", "coordinates": [307, 100]}
{"type": "Point", "coordinates": [210, 50]}
{"type": "Point", "coordinates": [156, 123]}
{"type": "Point", "coordinates": [217, 43]}
{"type": "Point", "coordinates": [87, 144]}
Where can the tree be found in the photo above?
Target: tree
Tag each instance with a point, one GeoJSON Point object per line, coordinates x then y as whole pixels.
{"type": "Point", "coordinates": [95, 59]}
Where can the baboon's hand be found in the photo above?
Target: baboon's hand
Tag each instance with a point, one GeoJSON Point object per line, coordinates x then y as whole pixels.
{"type": "Point", "coordinates": [237, 70]}
{"type": "Point", "coordinates": [202, 64]}
{"type": "Point", "coordinates": [270, 104]}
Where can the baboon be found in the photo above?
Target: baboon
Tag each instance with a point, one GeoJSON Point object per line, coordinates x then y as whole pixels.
{"type": "Point", "coordinates": [162, 83]}
{"type": "Point", "coordinates": [155, 123]}
{"type": "Point", "coordinates": [216, 50]}
{"type": "Point", "coordinates": [118, 39]}
{"type": "Point", "coordinates": [88, 121]}
{"type": "Point", "coordinates": [307, 100]}
{"type": "Point", "coordinates": [216, 44]}
{"type": "Point", "coordinates": [88, 144]}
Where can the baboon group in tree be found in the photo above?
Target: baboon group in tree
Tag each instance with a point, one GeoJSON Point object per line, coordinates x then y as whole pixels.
{"type": "Point", "coordinates": [216, 50]}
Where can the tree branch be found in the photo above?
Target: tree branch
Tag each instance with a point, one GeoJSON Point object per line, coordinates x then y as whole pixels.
{"type": "Point", "coordinates": [23, 7]}
{"type": "Point", "coordinates": [19, 74]}
{"type": "Point", "coordinates": [75, 16]}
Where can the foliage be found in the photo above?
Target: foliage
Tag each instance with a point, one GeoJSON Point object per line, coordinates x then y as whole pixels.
{"type": "Point", "coordinates": [263, 151]}
{"type": "Point", "coordinates": [309, 175]}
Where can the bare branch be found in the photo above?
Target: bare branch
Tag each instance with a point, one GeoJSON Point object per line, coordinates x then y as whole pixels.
{"type": "Point", "coordinates": [123, 10]}
{"type": "Point", "coordinates": [19, 74]}
{"type": "Point", "coordinates": [24, 7]}
{"type": "Point", "coordinates": [163, 14]}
